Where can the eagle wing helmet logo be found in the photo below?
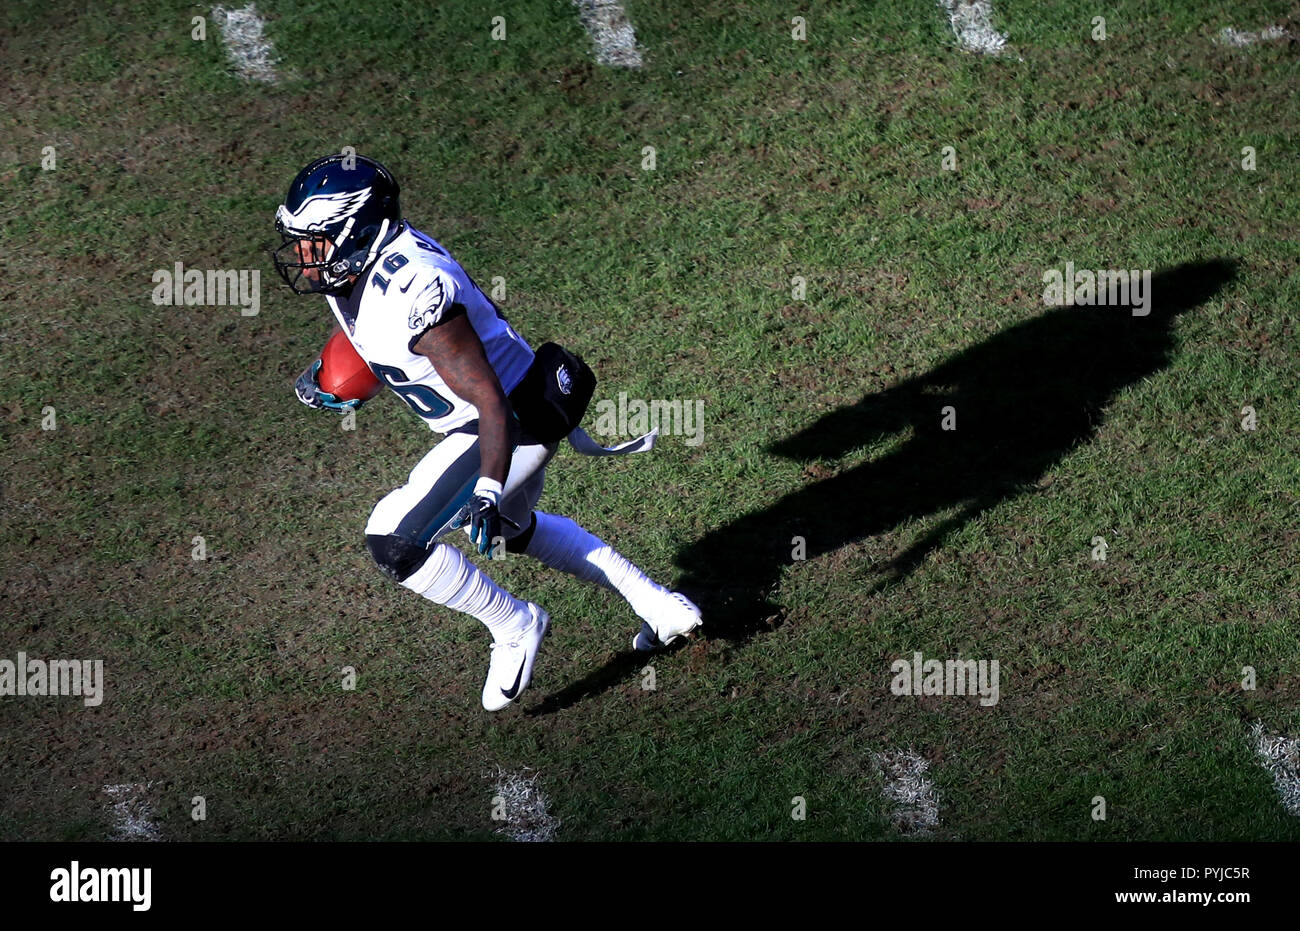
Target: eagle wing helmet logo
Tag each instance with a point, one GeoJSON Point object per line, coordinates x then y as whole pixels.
{"type": "Point", "coordinates": [322, 211]}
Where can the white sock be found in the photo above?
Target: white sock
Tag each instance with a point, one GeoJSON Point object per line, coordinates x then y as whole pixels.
{"type": "Point", "coordinates": [561, 544]}
{"type": "Point", "coordinates": [449, 578]}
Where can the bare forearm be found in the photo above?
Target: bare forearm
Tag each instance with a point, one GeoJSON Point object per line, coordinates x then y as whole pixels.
{"type": "Point", "coordinates": [494, 442]}
{"type": "Point", "coordinates": [456, 353]}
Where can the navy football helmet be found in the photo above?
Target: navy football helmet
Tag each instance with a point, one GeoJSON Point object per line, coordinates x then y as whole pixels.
{"type": "Point", "coordinates": [339, 212]}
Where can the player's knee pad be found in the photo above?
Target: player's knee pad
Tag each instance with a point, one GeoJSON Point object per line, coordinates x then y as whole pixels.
{"type": "Point", "coordinates": [396, 556]}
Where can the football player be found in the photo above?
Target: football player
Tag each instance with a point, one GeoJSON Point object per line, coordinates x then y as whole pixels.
{"type": "Point", "coordinates": [432, 336]}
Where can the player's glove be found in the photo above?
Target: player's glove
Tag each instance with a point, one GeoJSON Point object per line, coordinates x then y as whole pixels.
{"type": "Point", "coordinates": [485, 517]}
{"type": "Point", "coordinates": [308, 390]}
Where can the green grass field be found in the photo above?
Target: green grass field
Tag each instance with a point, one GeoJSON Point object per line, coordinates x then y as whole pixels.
{"type": "Point", "coordinates": [774, 159]}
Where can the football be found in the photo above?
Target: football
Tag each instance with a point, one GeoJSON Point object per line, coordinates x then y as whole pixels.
{"type": "Point", "coordinates": [343, 373]}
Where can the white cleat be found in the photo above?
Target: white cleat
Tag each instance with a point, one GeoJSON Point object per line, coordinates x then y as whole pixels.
{"type": "Point", "coordinates": [676, 618]}
{"type": "Point", "coordinates": [511, 668]}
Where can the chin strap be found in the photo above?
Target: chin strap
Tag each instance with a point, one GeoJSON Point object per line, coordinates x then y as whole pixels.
{"type": "Point", "coordinates": [379, 243]}
{"type": "Point", "coordinates": [584, 444]}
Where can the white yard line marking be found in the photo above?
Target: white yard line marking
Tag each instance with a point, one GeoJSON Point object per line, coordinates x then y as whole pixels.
{"type": "Point", "coordinates": [132, 814]}
{"type": "Point", "coordinates": [1238, 38]}
{"type": "Point", "coordinates": [973, 26]}
{"type": "Point", "coordinates": [250, 53]}
{"type": "Point", "coordinates": [1281, 757]}
{"type": "Point", "coordinates": [526, 817]}
{"type": "Point", "coordinates": [611, 31]}
{"type": "Point", "coordinates": [907, 787]}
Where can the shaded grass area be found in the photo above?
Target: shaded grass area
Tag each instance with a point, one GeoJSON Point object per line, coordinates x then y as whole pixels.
{"type": "Point", "coordinates": [774, 159]}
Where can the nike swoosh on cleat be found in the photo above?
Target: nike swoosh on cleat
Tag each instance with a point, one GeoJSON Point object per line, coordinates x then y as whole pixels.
{"type": "Point", "coordinates": [648, 637]}
{"type": "Point", "coordinates": [514, 689]}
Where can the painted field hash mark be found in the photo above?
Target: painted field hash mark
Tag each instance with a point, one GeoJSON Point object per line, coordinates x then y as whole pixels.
{"type": "Point", "coordinates": [1240, 38]}
{"type": "Point", "coordinates": [611, 32]}
{"type": "Point", "coordinates": [907, 787]}
{"type": "Point", "coordinates": [1281, 757]}
{"type": "Point", "coordinates": [246, 47]}
{"type": "Point", "coordinates": [525, 807]}
{"type": "Point", "coordinates": [972, 24]}
{"type": "Point", "coordinates": [133, 816]}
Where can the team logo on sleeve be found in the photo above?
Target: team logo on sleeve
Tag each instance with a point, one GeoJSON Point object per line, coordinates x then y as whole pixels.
{"type": "Point", "coordinates": [428, 310]}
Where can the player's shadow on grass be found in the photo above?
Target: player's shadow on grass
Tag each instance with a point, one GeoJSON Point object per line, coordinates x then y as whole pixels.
{"type": "Point", "coordinates": [1023, 399]}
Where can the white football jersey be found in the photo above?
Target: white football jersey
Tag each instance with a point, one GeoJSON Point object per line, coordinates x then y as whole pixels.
{"type": "Point", "coordinates": [412, 284]}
